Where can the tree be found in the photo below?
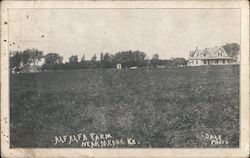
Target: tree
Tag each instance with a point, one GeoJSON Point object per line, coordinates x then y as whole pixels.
{"type": "Point", "coordinates": [155, 57]}
{"type": "Point", "coordinates": [25, 57]}
{"type": "Point", "coordinates": [130, 58]}
{"type": "Point", "coordinates": [33, 55]}
{"type": "Point", "coordinates": [83, 58]}
{"type": "Point", "coordinates": [15, 59]}
{"type": "Point", "coordinates": [139, 58]}
{"type": "Point", "coordinates": [39, 56]}
{"type": "Point", "coordinates": [107, 61]}
{"type": "Point", "coordinates": [102, 63]}
{"type": "Point", "coordinates": [53, 58]}
{"type": "Point", "coordinates": [232, 49]}
{"type": "Point", "coordinates": [73, 59]}
{"type": "Point", "coordinates": [101, 57]}
{"type": "Point", "coordinates": [155, 60]}
{"type": "Point", "coordinates": [106, 57]}
{"type": "Point", "coordinates": [180, 61]}
{"type": "Point", "coordinates": [93, 59]}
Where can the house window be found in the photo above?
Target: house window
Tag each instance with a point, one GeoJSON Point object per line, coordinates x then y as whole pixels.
{"type": "Point", "coordinates": [216, 61]}
{"type": "Point", "coordinates": [196, 61]}
{"type": "Point", "coordinates": [223, 61]}
{"type": "Point", "coordinates": [205, 62]}
{"type": "Point", "coordinates": [219, 54]}
{"type": "Point", "coordinates": [204, 55]}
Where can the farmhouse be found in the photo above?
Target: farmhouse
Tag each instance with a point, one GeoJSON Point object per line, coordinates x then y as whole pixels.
{"type": "Point", "coordinates": [209, 56]}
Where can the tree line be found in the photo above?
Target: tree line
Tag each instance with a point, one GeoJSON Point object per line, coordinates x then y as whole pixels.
{"type": "Point", "coordinates": [107, 60]}
{"type": "Point", "coordinates": [26, 57]}
{"type": "Point", "coordinates": [53, 61]}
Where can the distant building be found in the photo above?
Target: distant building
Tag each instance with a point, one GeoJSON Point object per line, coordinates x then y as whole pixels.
{"type": "Point", "coordinates": [29, 69]}
{"type": "Point", "coordinates": [133, 67]}
{"type": "Point", "coordinates": [119, 66]}
{"type": "Point", "coordinates": [26, 69]}
{"type": "Point", "coordinates": [209, 56]}
{"type": "Point", "coordinates": [161, 66]}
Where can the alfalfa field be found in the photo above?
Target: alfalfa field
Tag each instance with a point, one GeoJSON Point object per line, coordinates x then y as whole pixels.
{"type": "Point", "coordinates": [178, 107]}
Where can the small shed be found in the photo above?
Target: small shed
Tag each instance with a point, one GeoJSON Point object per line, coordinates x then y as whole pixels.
{"type": "Point", "coordinates": [133, 67]}
{"type": "Point", "coordinates": [119, 66]}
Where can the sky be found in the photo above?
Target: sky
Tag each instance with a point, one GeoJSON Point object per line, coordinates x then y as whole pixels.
{"type": "Point", "coordinates": [168, 32]}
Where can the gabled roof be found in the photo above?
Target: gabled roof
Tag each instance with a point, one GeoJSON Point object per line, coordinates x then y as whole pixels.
{"type": "Point", "coordinates": [191, 53]}
{"type": "Point", "coordinates": [213, 51]}
{"type": "Point", "coordinates": [199, 51]}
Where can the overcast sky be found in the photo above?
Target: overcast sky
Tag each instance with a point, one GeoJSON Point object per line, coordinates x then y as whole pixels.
{"type": "Point", "coordinates": [168, 32]}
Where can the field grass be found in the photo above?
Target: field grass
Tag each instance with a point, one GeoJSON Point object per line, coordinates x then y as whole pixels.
{"type": "Point", "coordinates": [169, 107]}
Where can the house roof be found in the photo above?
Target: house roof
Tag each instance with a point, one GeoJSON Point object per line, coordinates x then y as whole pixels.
{"type": "Point", "coordinates": [211, 51]}
{"type": "Point", "coordinates": [211, 58]}
{"type": "Point", "coordinates": [192, 53]}
{"type": "Point", "coordinates": [199, 51]}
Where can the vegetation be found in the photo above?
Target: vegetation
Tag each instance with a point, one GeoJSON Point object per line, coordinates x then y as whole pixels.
{"type": "Point", "coordinates": [232, 49]}
{"type": "Point", "coordinates": [73, 59]}
{"type": "Point", "coordinates": [26, 57]}
{"type": "Point", "coordinates": [126, 58]}
{"type": "Point", "coordinates": [54, 61]}
{"type": "Point", "coordinates": [169, 107]}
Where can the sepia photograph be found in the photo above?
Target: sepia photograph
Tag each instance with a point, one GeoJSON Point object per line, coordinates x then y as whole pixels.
{"type": "Point", "coordinates": [123, 77]}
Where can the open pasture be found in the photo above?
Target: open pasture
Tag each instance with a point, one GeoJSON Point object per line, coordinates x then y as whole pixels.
{"type": "Point", "coordinates": [169, 107]}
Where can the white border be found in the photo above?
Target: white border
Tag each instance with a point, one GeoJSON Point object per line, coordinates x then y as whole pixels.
{"type": "Point", "coordinates": [243, 151]}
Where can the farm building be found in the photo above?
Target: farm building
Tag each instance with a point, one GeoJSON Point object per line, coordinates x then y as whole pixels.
{"type": "Point", "coordinates": [161, 66]}
{"type": "Point", "coordinates": [29, 69]}
{"type": "Point", "coordinates": [119, 66]}
{"type": "Point", "coordinates": [209, 56]}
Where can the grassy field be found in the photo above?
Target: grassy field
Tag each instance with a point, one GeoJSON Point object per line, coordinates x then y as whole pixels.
{"type": "Point", "coordinates": [172, 107]}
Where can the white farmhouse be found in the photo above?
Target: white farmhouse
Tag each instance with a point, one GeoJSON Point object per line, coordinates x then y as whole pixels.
{"type": "Point", "coordinates": [209, 56]}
